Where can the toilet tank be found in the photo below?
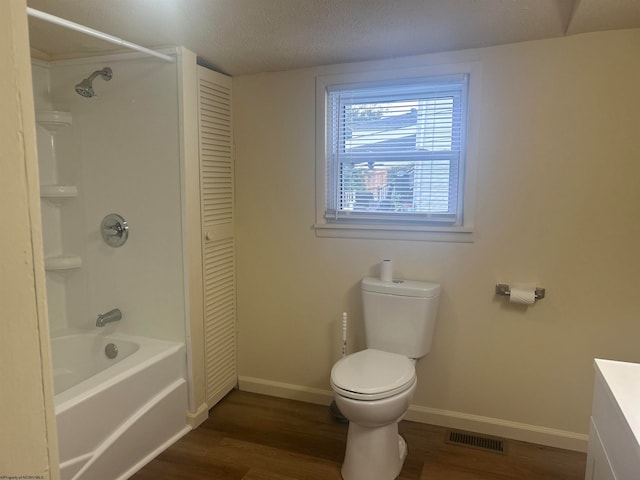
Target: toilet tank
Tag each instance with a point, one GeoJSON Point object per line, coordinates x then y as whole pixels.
{"type": "Point", "coordinates": [400, 316]}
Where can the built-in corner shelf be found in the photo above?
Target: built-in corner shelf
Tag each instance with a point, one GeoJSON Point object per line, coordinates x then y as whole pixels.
{"type": "Point", "coordinates": [53, 120]}
{"type": "Point", "coordinates": [58, 193]}
{"type": "Point", "coordinates": [62, 262]}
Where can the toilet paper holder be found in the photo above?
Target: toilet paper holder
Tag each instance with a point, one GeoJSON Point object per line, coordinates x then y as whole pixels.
{"type": "Point", "coordinates": [505, 290]}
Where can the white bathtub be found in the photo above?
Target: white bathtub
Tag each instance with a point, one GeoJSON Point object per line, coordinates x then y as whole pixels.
{"type": "Point", "coordinates": [115, 415]}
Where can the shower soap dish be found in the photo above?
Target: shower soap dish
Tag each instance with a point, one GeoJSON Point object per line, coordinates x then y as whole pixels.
{"type": "Point", "coordinates": [58, 191]}
{"type": "Point", "coordinates": [53, 120]}
{"type": "Point", "coordinates": [62, 262]}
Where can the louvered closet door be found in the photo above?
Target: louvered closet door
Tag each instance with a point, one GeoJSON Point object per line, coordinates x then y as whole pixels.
{"type": "Point", "coordinates": [218, 252]}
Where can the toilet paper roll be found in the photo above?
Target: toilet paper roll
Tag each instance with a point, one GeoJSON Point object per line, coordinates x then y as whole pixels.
{"type": "Point", "coordinates": [524, 294]}
{"type": "Point", "coordinates": [386, 270]}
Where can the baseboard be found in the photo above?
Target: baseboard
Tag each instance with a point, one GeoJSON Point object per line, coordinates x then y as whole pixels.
{"type": "Point", "coordinates": [444, 418]}
{"type": "Point", "coordinates": [196, 418]}
{"type": "Point", "coordinates": [501, 428]}
{"type": "Point", "coordinates": [285, 390]}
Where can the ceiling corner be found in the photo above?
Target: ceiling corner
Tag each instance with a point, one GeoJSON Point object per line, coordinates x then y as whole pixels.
{"type": "Point", "coordinates": [567, 10]}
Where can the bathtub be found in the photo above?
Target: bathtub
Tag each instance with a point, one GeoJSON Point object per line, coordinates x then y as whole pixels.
{"type": "Point", "coordinates": [116, 414]}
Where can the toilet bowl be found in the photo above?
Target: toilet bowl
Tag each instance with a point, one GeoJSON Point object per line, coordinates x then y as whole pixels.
{"type": "Point", "coordinates": [373, 390]}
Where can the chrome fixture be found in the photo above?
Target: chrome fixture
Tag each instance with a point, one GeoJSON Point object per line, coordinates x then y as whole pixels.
{"type": "Point", "coordinates": [114, 230]}
{"type": "Point", "coordinates": [85, 87]}
{"type": "Point", "coordinates": [505, 291]}
{"type": "Point", "coordinates": [111, 350]}
{"type": "Point", "coordinates": [111, 316]}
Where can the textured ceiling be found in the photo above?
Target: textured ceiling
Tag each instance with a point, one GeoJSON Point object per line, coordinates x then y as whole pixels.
{"type": "Point", "coordinates": [250, 36]}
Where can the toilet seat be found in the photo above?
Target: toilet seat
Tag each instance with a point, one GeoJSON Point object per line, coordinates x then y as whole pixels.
{"type": "Point", "coordinates": [372, 375]}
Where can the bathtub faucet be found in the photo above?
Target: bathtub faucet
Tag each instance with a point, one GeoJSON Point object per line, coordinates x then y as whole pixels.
{"type": "Point", "coordinates": [111, 316]}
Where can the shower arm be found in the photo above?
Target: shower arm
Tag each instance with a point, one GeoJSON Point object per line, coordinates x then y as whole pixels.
{"type": "Point", "coordinates": [94, 75]}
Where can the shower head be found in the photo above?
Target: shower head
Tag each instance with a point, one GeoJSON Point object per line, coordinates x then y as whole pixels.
{"type": "Point", "coordinates": [85, 87]}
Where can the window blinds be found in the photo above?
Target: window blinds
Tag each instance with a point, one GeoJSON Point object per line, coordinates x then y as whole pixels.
{"type": "Point", "coordinates": [396, 151]}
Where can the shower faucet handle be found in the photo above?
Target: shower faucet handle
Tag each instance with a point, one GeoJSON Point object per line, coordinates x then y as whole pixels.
{"type": "Point", "coordinates": [114, 230]}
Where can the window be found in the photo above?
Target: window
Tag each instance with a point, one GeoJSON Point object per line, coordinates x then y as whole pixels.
{"type": "Point", "coordinates": [394, 153]}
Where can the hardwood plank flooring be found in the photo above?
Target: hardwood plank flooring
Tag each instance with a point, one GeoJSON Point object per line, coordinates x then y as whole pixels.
{"type": "Point", "coordinates": [256, 437]}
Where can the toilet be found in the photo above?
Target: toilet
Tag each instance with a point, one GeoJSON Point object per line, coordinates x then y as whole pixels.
{"type": "Point", "coordinates": [373, 387]}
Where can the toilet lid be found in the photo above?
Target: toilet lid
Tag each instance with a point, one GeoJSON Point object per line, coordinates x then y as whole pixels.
{"type": "Point", "coordinates": [373, 374]}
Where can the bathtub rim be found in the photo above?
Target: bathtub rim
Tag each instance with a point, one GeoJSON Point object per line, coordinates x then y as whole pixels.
{"type": "Point", "coordinates": [150, 349]}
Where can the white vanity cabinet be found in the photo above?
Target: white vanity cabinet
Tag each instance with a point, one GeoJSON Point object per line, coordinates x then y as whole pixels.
{"type": "Point", "coordinates": [614, 436]}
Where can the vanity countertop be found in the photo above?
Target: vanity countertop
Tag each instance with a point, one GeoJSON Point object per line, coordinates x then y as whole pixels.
{"type": "Point", "coordinates": [623, 382]}
{"type": "Point", "coordinates": [615, 422]}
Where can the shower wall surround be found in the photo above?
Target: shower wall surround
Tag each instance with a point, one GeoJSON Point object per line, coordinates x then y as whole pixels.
{"type": "Point", "coordinates": [132, 150]}
{"type": "Point", "coordinates": [122, 153]}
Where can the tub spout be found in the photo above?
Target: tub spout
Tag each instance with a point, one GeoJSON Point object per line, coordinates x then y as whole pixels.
{"type": "Point", "coordinates": [111, 316]}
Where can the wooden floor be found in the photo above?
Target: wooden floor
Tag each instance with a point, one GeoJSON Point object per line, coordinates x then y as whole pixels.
{"type": "Point", "coordinates": [255, 437]}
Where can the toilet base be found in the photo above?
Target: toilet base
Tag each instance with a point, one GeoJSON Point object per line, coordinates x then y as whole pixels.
{"type": "Point", "coordinates": [373, 453]}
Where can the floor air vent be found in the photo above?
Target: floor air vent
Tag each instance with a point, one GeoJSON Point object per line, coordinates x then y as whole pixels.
{"type": "Point", "coordinates": [481, 442]}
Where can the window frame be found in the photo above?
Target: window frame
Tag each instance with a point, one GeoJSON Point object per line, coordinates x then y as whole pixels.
{"type": "Point", "coordinates": [396, 229]}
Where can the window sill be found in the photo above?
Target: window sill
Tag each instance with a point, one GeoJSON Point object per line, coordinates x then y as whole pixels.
{"type": "Point", "coordinates": [395, 232]}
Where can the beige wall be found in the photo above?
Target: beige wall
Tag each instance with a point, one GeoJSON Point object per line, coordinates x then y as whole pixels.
{"type": "Point", "coordinates": [28, 440]}
{"type": "Point", "coordinates": [558, 204]}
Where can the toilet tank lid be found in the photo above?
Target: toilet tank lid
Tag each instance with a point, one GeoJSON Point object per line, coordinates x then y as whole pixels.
{"type": "Point", "coordinates": [406, 288]}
